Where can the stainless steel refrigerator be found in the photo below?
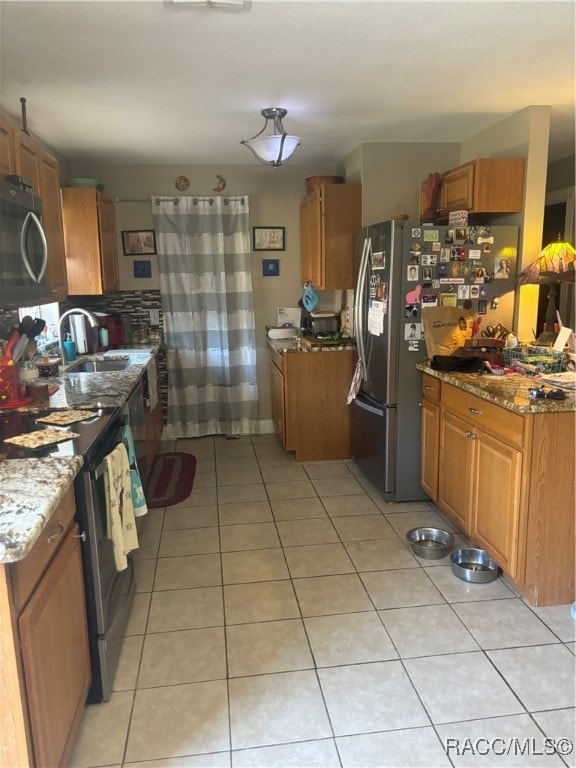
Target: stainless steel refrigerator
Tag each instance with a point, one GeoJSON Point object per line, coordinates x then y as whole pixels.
{"type": "Point", "coordinates": [400, 269]}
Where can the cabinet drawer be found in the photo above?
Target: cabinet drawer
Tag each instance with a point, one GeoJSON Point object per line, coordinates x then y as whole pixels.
{"type": "Point", "coordinates": [278, 360]}
{"type": "Point", "coordinates": [26, 573]}
{"type": "Point", "coordinates": [498, 421]}
{"type": "Point", "coordinates": [431, 388]}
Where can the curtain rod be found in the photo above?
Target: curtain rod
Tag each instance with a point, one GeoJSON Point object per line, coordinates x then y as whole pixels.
{"type": "Point", "coordinates": [175, 200]}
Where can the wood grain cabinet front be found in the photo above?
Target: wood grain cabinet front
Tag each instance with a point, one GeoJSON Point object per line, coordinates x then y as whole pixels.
{"type": "Point", "coordinates": [45, 672]}
{"type": "Point", "coordinates": [329, 218]}
{"type": "Point", "coordinates": [309, 408]}
{"type": "Point", "coordinates": [506, 481]}
{"type": "Point", "coordinates": [90, 241]}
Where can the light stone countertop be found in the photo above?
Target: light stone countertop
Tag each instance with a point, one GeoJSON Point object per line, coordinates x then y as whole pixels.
{"type": "Point", "coordinates": [294, 345]}
{"type": "Point", "coordinates": [509, 391]}
{"type": "Point", "coordinates": [30, 492]}
{"type": "Point", "coordinates": [31, 489]}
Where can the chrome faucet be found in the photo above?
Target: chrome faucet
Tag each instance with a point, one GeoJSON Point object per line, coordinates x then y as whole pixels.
{"type": "Point", "coordinates": [75, 311]}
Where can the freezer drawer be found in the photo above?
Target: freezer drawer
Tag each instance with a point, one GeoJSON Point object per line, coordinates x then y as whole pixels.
{"type": "Point", "coordinates": [374, 440]}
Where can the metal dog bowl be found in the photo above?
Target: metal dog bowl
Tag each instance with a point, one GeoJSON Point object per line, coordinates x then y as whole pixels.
{"type": "Point", "coordinates": [430, 543]}
{"type": "Point", "coordinates": [474, 565]}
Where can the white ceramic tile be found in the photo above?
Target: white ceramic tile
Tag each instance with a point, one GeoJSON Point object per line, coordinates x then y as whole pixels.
{"type": "Point", "coordinates": [139, 614]}
{"type": "Point", "coordinates": [148, 544]}
{"type": "Point", "coordinates": [503, 623]}
{"type": "Point", "coordinates": [364, 528]}
{"type": "Point", "coordinates": [338, 487]}
{"type": "Point", "coordinates": [550, 684]}
{"type": "Point", "coordinates": [571, 647]}
{"type": "Point", "coordinates": [188, 572]}
{"type": "Point", "coordinates": [297, 509]}
{"type": "Point", "coordinates": [237, 462]}
{"type": "Point", "coordinates": [186, 609]}
{"type": "Point", "coordinates": [320, 753]}
{"type": "Point", "coordinates": [381, 555]}
{"type": "Point", "coordinates": [128, 664]}
{"type": "Point", "coordinates": [344, 506]}
{"type": "Point", "coordinates": [404, 748]}
{"type": "Point", "coordinates": [173, 721]}
{"type": "Point", "coordinates": [324, 595]}
{"type": "Point", "coordinates": [402, 522]}
{"type": "Point", "coordinates": [186, 656]}
{"type": "Point", "coordinates": [177, 518]}
{"type": "Point", "coordinates": [201, 447]}
{"type": "Point", "coordinates": [205, 480]}
{"type": "Point", "coordinates": [239, 476]}
{"type": "Point", "coordinates": [501, 742]}
{"type": "Point", "coordinates": [299, 489]}
{"type": "Point", "coordinates": [457, 590]}
{"type": "Point", "coordinates": [192, 541]}
{"type": "Point", "coordinates": [390, 507]}
{"type": "Point", "coordinates": [213, 760]}
{"type": "Point", "coordinates": [271, 646]}
{"type": "Point", "coordinates": [254, 565]}
{"type": "Point", "coordinates": [273, 709]}
{"type": "Point", "coordinates": [439, 679]}
{"type": "Point", "coordinates": [199, 497]}
{"type": "Point", "coordinates": [427, 630]}
{"type": "Point", "coordinates": [231, 449]}
{"type": "Point", "coordinates": [286, 474]}
{"type": "Point", "coordinates": [560, 724]}
{"type": "Point", "coordinates": [294, 533]}
{"type": "Point", "coordinates": [144, 571]}
{"type": "Point", "coordinates": [318, 560]}
{"type": "Point", "coordinates": [349, 638]}
{"type": "Point", "coordinates": [205, 465]}
{"type": "Point", "coordinates": [230, 494]}
{"type": "Point", "coordinates": [274, 458]}
{"type": "Point", "coordinates": [324, 470]}
{"type": "Point", "coordinates": [269, 438]}
{"type": "Point", "coordinates": [358, 698]}
{"type": "Point", "coordinates": [264, 601]}
{"type": "Point", "coordinates": [250, 536]}
{"type": "Point", "coordinates": [401, 588]}
{"type": "Point", "coordinates": [558, 618]}
{"type": "Point", "coordinates": [153, 520]}
{"type": "Point", "coordinates": [102, 734]}
{"type": "Point", "coordinates": [245, 512]}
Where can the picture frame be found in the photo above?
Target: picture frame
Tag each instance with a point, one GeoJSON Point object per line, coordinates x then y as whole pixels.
{"type": "Point", "coordinates": [139, 242]}
{"type": "Point", "coordinates": [268, 238]}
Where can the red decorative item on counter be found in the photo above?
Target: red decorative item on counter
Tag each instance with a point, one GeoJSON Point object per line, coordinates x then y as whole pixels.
{"type": "Point", "coordinates": [12, 392]}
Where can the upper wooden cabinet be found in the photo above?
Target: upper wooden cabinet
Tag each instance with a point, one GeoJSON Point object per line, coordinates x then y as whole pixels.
{"type": "Point", "coordinates": [22, 155]}
{"type": "Point", "coordinates": [329, 217]}
{"type": "Point", "coordinates": [90, 241]}
{"type": "Point", "coordinates": [487, 185]}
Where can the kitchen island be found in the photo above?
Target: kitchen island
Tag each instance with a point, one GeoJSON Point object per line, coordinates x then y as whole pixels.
{"type": "Point", "coordinates": [500, 466]}
{"type": "Point", "coordinates": [309, 387]}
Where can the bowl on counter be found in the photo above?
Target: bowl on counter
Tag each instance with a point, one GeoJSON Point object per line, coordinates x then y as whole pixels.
{"type": "Point", "coordinates": [430, 543]}
{"type": "Point", "coordinates": [48, 366]}
{"type": "Point", "coordinates": [283, 333]}
{"type": "Point", "coordinates": [474, 565]}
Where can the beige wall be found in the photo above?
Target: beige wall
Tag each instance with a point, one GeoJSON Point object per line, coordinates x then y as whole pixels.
{"type": "Point", "coordinates": [275, 195]}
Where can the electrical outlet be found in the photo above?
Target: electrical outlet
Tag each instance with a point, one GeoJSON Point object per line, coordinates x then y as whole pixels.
{"type": "Point", "coordinates": [154, 317]}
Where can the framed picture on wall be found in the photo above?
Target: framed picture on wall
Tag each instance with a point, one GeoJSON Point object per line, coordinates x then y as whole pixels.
{"type": "Point", "coordinates": [139, 242]}
{"type": "Point", "coordinates": [268, 238]}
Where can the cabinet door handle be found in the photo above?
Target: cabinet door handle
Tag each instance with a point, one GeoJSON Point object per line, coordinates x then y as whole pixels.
{"type": "Point", "coordinates": [56, 535]}
{"type": "Point", "coordinates": [80, 535]}
{"type": "Point", "coordinates": [475, 410]}
{"type": "Point", "coordinates": [427, 386]}
{"type": "Point", "coordinates": [471, 435]}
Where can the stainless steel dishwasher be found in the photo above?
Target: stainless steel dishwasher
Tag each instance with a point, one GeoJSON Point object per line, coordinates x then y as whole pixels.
{"type": "Point", "coordinates": [133, 410]}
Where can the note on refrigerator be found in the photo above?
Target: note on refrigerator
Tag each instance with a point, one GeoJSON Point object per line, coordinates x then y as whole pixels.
{"type": "Point", "coordinates": [376, 318]}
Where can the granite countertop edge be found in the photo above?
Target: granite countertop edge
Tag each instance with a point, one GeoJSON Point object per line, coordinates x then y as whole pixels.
{"type": "Point", "coordinates": [509, 391]}
{"type": "Point", "coordinates": [294, 345]}
{"type": "Point", "coordinates": [31, 491]}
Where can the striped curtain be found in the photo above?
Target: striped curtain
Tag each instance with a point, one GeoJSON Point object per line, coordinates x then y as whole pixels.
{"type": "Point", "coordinates": [206, 286]}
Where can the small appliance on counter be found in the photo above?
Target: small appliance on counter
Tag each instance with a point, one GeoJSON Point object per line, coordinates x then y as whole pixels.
{"type": "Point", "coordinates": [320, 324]}
{"type": "Point", "coordinates": [112, 322]}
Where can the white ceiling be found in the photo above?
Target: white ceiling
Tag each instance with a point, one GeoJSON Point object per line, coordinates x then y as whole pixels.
{"type": "Point", "coordinates": [149, 81]}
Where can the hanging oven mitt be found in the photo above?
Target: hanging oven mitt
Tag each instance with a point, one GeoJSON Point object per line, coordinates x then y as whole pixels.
{"type": "Point", "coordinates": [310, 298]}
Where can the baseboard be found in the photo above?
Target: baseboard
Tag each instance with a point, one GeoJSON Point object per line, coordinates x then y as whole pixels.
{"type": "Point", "coordinates": [266, 426]}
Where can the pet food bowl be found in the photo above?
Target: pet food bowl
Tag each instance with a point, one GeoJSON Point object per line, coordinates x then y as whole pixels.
{"type": "Point", "coordinates": [474, 565]}
{"type": "Point", "coordinates": [430, 543]}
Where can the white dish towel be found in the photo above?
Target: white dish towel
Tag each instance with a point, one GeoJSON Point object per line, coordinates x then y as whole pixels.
{"type": "Point", "coordinates": [121, 524]}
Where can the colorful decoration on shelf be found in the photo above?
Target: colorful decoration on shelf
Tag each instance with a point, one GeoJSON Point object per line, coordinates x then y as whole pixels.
{"type": "Point", "coordinates": [182, 183]}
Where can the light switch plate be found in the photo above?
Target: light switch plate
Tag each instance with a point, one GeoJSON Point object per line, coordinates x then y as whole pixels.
{"type": "Point", "coordinates": [154, 317]}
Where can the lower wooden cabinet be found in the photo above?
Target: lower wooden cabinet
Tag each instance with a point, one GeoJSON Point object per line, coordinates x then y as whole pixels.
{"type": "Point", "coordinates": [153, 424]}
{"type": "Point", "coordinates": [45, 670]}
{"type": "Point", "coordinates": [506, 481]}
{"type": "Point", "coordinates": [309, 403]}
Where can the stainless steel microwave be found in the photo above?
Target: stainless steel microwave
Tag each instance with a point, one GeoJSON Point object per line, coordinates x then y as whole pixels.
{"type": "Point", "coordinates": [23, 248]}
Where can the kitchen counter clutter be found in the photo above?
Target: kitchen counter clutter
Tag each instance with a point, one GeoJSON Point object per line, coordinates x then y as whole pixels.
{"type": "Point", "coordinates": [500, 466]}
{"type": "Point", "coordinates": [296, 345]}
{"type": "Point", "coordinates": [32, 489]}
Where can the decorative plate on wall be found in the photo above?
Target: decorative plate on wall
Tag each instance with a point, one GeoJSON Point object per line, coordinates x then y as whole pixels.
{"type": "Point", "coordinates": [182, 183]}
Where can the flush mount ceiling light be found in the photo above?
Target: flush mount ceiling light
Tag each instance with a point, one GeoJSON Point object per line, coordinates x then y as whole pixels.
{"type": "Point", "coordinates": [273, 149]}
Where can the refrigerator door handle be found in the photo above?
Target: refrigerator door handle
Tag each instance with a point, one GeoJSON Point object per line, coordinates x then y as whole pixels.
{"type": "Point", "coordinates": [359, 306]}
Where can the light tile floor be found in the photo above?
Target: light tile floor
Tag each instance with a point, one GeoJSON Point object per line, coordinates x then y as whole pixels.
{"type": "Point", "coordinates": [281, 620]}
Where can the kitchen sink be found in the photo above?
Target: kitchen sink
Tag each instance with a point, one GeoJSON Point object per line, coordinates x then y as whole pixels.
{"type": "Point", "coordinates": [98, 366]}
